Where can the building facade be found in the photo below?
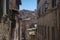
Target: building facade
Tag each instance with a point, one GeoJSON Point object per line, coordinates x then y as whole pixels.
{"type": "Point", "coordinates": [14, 17]}
{"type": "Point", "coordinates": [48, 19]}
{"type": "Point", "coordinates": [4, 33]}
{"type": "Point", "coordinates": [9, 19]}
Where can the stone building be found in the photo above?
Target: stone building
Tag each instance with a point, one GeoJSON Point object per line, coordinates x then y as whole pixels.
{"type": "Point", "coordinates": [28, 21]}
{"type": "Point", "coordinates": [4, 34]}
{"type": "Point", "coordinates": [48, 19]}
{"type": "Point", "coordinates": [15, 20]}
{"type": "Point", "coordinates": [9, 10]}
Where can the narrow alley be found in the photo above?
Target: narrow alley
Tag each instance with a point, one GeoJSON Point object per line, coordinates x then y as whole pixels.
{"type": "Point", "coordinates": [29, 19]}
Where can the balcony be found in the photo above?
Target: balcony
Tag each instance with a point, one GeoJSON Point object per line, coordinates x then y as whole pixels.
{"type": "Point", "coordinates": [32, 31]}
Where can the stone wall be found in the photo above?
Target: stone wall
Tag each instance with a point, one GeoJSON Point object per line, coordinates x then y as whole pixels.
{"type": "Point", "coordinates": [48, 23]}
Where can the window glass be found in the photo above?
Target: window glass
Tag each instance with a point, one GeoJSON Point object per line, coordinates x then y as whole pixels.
{"type": "Point", "coordinates": [53, 3]}
{"type": "Point", "coordinates": [53, 33]}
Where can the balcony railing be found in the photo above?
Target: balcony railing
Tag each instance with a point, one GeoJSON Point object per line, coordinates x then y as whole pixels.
{"type": "Point", "coordinates": [31, 31]}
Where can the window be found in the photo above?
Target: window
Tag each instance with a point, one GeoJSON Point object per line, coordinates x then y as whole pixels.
{"type": "Point", "coordinates": [23, 36]}
{"type": "Point", "coordinates": [45, 31]}
{"type": "Point", "coordinates": [53, 3]}
{"type": "Point", "coordinates": [53, 33]}
{"type": "Point", "coordinates": [7, 6]}
{"type": "Point", "coordinates": [44, 7]}
{"type": "Point", "coordinates": [38, 1]}
{"type": "Point", "coordinates": [1, 9]}
{"type": "Point", "coordinates": [39, 13]}
{"type": "Point", "coordinates": [48, 32]}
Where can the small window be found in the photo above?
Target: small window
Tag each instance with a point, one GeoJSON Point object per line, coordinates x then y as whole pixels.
{"type": "Point", "coordinates": [53, 3]}
{"type": "Point", "coordinates": [53, 33]}
{"type": "Point", "coordinates": [39, 13]}
{"type": "Point", "coordinates": [44, 7]}
{"type": "Point", "coordinates": [48, 32]}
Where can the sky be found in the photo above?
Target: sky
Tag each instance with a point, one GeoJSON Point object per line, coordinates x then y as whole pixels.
{"type": "Point", "coordinates": [28, 5]}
